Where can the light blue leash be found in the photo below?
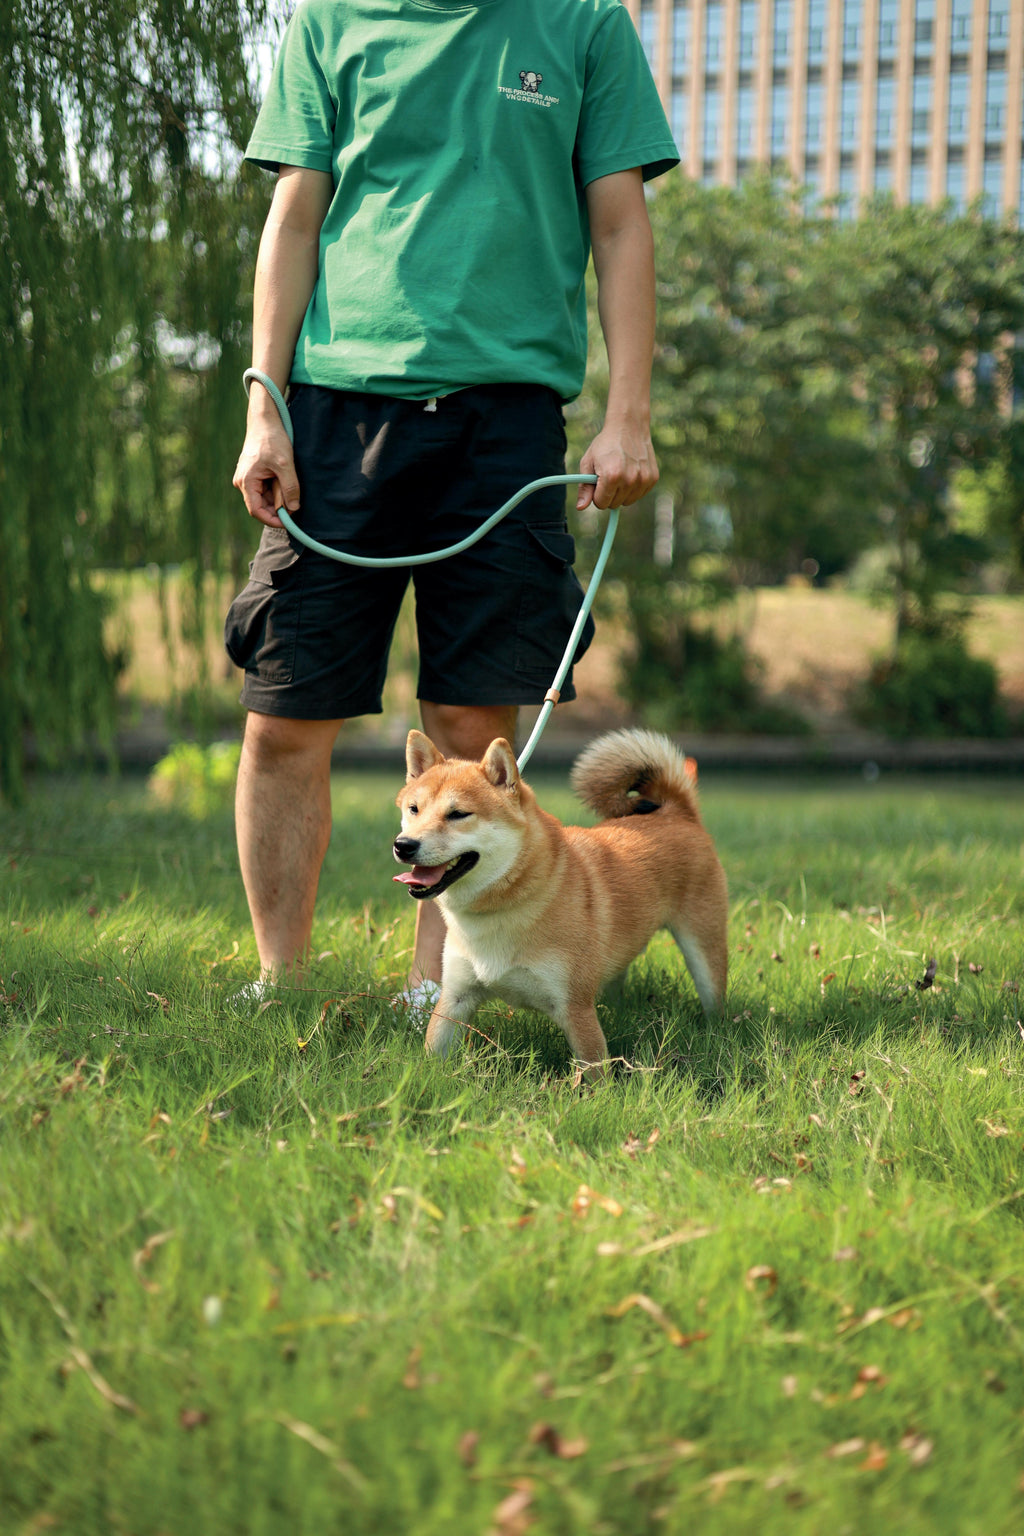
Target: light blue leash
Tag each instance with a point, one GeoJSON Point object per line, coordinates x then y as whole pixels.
{"type": "Point", "coordinates": [392, 561]}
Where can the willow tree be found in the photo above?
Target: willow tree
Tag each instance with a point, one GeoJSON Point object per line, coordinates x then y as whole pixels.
{"type": "Point", "coordinates": [125, 246]}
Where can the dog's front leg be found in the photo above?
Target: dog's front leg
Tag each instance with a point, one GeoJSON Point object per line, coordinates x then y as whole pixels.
{"type": "Point", "coordinates": [586, 1039]}
{"type": "Point", "coordinates": [461, 996]}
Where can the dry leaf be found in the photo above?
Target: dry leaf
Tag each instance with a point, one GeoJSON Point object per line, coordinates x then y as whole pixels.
{"type": "Point", "coordinates": [467, 1448]}
{"type": "Point", "coordinates": [191, 1418]}
{"type": "Point", "coordinates": [646, 1304]}
{"type": "Point", "coordinates": [928, 979]}
{"type": "Point", "coordinates": [585, 1197]}
{"type": "Point", "coordinates": [411, 1380]}
{"type": "Point", "coordinates": [548, 1436]}
{"type": "Point", "coordinates": [511, 1518]}
{"type": "Point", "coordinates": [917, 1447]}
{"type": "Point", "coordinates": [144, 1255]}
{"type": "Point", "coordinates": [789, 1386]}
{"type": "Point", "coordinates": [991, 1129]}
{"type": "Point", "coordinates": [876, 1459]}
{"type": "Point", "coordinates": [758, 1272]}
{"type": "Point", "coordinates": [845, 1255]}
{"type": "Point", "coordinates": [846, 1448]}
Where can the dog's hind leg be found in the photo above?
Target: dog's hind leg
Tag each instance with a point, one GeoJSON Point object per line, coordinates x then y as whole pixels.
{"type": "Point", "coordinates": [707, 962]}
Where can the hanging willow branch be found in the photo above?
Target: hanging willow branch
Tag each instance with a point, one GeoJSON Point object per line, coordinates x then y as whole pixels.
{"type": "Point", "coordinates": [126, 245]}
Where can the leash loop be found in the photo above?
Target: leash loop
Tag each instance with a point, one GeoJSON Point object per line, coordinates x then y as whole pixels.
{"type": "Point", "coordinates": [392, 562]}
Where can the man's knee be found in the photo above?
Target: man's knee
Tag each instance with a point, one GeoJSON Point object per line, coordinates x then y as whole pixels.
{"type": "Point", "coordinates": [274, 739]}
{"type": "Point", "coordinates": [467, 730]}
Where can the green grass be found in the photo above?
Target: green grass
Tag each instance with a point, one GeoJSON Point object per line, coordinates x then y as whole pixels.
{"type": "Point", "coordinates": [280, 1274]}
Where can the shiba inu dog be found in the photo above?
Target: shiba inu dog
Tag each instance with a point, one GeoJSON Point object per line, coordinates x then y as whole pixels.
{"type": "Point", "coordinates": [543, 915]}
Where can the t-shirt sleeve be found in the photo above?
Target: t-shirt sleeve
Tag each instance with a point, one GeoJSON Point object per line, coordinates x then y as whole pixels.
{"type": "Point", "coordinates": [622, 122]}
{"type": "Point", "coordinates": [295, 125]}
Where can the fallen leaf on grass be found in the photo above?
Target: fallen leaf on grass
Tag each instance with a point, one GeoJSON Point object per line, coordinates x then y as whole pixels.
{"type": "Point", "coordinates": [917, 1447]}
{"type": "Point", "coordinates": [846, 1448]}
{"type": "Point", "coordinates": [789, 1385]}
{"type": "Point", "coordinates": [845, 1255]}
{"type": "Point", "coordinates": [320, 1443]}
{"type": "Point", "coordinates": [411, 1381]}
{"type": "Point", "coordinates": [192, 1418]}
{"type": "Point", "coordinates": [467, 1447]}
{"type": "Point", "coordinates": [548, 1436]}
{"type": "Point", "coordinates": [758, 1272]}
{"type": "Point", "coordinates": [144, 1255]}
{"type": "Point", "coordinates": [877, 1458]}
{"type": "Point", "coordinates": [867, 1376]}
{"type": "Point", "coordinates": [856, 1082]}
{"type": "Point", "coordinates": [991, 1129]}
{"type": "Point", "coordinates": [585, 1197]}
{"type": "Point", "coordinates": [651, 1307]}
{"type": "Point", "coordinates": [632, 1144]}
{"type": "Point", "coordinates": [512, 1517]}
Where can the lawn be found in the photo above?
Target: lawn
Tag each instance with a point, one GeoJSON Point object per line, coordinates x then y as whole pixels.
{"type": "Point", "coordinates": [276, 1273]}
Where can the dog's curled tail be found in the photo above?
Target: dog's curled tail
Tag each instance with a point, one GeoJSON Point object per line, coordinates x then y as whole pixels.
{"type": "Point", "coordinates": [628, 773]}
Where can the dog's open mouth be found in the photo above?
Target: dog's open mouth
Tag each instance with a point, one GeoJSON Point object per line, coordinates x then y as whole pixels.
{"type": "Point", "coordinates": [426, 880]}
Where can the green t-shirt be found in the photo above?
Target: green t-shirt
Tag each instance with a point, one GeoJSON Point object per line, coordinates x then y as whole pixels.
{"type": "Point", "coordinates": [460, 138]}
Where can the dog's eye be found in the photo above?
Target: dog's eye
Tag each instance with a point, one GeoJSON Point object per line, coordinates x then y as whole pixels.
{"type": "Point", "coordinates": [413, 810]}
{"type": "Point", "coordinates": [454, 815]}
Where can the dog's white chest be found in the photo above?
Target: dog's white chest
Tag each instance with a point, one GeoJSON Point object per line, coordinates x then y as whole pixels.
{"type": "Point", "coordinates": [499, 968]}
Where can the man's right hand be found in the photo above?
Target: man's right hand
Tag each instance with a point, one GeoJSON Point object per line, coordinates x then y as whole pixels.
{"type": "Point", "coordinates": [265, 473]}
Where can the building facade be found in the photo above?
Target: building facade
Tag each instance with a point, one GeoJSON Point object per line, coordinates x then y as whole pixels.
{"type": "Point", "coordinates": [923, 99]}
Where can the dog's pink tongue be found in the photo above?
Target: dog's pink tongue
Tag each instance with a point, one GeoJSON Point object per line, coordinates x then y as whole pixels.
{"type": "Point", "coordinates": [421, 874]}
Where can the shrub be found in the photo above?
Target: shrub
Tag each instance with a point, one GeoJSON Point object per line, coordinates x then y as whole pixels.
{"type": "Point", "coordinates": [932, 686]}
{"type": "Point", "coordinates": [197, 780]}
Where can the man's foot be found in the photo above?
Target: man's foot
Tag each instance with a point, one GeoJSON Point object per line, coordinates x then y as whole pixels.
{"type": "Point", "coordinates": [418, 1002]}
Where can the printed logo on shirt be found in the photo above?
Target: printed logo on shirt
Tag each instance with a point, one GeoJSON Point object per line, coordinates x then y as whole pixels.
{"type": "Point", "coordinates": [529, 90]}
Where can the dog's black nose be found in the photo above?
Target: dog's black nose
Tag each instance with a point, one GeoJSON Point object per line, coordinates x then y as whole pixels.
{"type": "Point", "coordinates": [406, 849]}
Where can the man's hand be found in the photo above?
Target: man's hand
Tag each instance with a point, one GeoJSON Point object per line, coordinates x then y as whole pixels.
{"type": "Point", "coordinates": [623, 459]}
{"type": "Point", "coordinates": [265, 473]}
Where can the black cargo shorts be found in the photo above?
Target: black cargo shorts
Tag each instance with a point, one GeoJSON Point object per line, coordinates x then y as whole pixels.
{"type": "Point", "coordinates": [382, 476]}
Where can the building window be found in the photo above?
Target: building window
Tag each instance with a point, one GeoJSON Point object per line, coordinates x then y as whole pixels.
{"type": "Point", "coordinates": [714, 35]}
{"type": "Point", "coordinates": [924, 28]}
{"type": "Point", "coordinates": [960, 25]}
{"type": "Point", "coordinates": [680, 119]}
{"type": "Point", "coordinates": [885, 114]}
{"type": "Point", "coordinates": [649, 30]}
{"type": "Point", "coordinates": [921, 112]}
{"type": "Point", "coordinates": [956, 185]}
{"type": "Point", "coordinates": [853, 30]}
{"type": "Point", "coordinates": [712, 123]}
{"type": "Point", "coordinates": [813, 119]}
{"type": "Point", "coordinates": [919, 183]}
{"type": "Point", "coordinates": [991, 188]}
{"type": "Point", "coordinates": [749, 18]}
{"type": "Point", "coordinates": [888, 28]}
{"type": "Point", "coordinates": [849, 113]}
{"type": "Point", "coordinates": [998, 23]}
{"type": "Point", "coordinates": [780, 119]}
{"type": "Point", "coordinates": [782, 25]}
{"type": "Point", "coordinates": [817, 31]}
{"type": "Point", "coordinates": [995, 104]}
{"type": "Point", "coordinates": [680, 39]}
{"type": "Point", "coordinates": [959, 107]}
{"type": "Point", "coordinates": [745, 109]}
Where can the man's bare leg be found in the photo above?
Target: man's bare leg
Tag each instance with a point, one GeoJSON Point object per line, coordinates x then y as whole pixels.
{"type": "Point", "coordinates": [283, 824]}
{"type": "Point", "coordinates": [457, 731]}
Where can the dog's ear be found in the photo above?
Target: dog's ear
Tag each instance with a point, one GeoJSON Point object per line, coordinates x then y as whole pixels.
{"type": "Point", "coordinates": [499, 765]}
{"type": "Point", "coordinates": [420, 754]}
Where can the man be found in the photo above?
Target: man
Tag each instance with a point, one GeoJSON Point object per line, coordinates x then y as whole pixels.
{"type": "Point", "coordinates": [444, 169]}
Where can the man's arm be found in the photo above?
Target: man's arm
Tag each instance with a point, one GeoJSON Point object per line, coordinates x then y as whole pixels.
{"type": "Point", "coordinates": [620, 232]}
{"type": "Point", "coordinates": [286, 274]}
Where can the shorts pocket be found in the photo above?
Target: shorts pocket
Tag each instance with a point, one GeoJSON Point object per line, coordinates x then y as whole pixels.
{"type": "Point", "coordinates": [262, 625]}
{"type": "Point", "coordinates": [550, 601]}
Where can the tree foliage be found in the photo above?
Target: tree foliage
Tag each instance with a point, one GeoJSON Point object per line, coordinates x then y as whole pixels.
{"type": "Point", "coordinates": [120, 236]}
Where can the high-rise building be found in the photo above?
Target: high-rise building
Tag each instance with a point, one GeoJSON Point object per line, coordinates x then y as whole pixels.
{"type": "Point", "coordinates": [920, 98]}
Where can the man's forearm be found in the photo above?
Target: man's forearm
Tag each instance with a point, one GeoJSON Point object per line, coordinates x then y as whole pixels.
{"type": "Point", "coordinates": [624, 263]}
{"type": "Point", "coordinates": [286, 274]}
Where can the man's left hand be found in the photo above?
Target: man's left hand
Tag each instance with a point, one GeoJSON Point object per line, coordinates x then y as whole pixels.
{"type": "Point", "coordinates": [623, 459]}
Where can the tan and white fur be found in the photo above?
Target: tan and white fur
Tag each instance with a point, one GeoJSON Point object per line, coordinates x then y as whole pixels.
{"type": "Point", "coordinates": [545, 915]}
